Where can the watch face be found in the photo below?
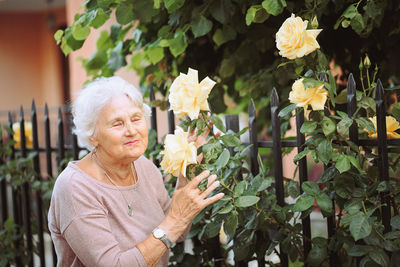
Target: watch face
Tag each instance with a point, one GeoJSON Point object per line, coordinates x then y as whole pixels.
{"type": "Point", "coordinates": [158, 233]}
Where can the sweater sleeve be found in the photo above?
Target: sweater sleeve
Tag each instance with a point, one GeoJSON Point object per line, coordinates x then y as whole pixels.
{"type": "Point", "coordinates": [92, 241]}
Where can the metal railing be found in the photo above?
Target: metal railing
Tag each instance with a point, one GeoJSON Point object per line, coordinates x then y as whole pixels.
{"type": "Point", "coordinates": [21, 203]}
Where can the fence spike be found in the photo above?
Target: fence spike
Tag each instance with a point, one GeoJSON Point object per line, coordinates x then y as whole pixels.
{"type": "Point", "coordinates": [60, 126]}
{"type": "Point", "coordinates": [277, 154]}
{"type": "Point", "coordinates": [352, 107]}
{"type": "Point", "coordinates": [274, 98]}
{"type": "Point", "coordinates": [253, 138]}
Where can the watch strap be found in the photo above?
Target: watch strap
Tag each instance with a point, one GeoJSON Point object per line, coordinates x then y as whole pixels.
{"type": "Point", "coordinates": [168, 243]}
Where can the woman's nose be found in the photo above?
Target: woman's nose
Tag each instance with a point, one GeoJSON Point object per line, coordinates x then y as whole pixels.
{"type": "Point", "coordinates": [130, 128]}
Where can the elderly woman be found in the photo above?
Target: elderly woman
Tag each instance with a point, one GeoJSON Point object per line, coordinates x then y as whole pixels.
{"type": "Point", "coordinates": [111, 207]}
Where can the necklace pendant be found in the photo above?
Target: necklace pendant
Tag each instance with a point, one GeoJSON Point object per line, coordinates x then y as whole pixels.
{"type": "Point", "coordinates": [130, 210]}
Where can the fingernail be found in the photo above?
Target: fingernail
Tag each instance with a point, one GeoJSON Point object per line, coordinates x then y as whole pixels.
{"type": "Point", "coordinates": [216, 183]}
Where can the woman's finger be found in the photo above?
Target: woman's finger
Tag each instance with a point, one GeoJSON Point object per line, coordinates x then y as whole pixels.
{"type": "Point", "coordinates": [209, 189]}
{"type": "Point", "coordinates": [213, 199]}
{"type": "Point", "coordinates": [211, 179]}
{"type": "Point", "coordinates": [196, 180]}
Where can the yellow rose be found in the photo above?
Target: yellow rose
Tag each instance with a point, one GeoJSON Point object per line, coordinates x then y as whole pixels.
{"type": "Point", "coordinates": [302, 97]}
{"type": "Point", "coordinates": [293, 40]}
{"type": "Point", "coordinates": [187, 96]}
{"type": "Point", "coordinates": [391, 126]}
{"type": "Point", "coordinates": [178, 153]}
{"type": "Point", "coordinates": [17, 134]}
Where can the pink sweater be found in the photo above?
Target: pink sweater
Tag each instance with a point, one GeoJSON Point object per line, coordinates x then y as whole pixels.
{"type": "Point", "coordinates": [89, 221]}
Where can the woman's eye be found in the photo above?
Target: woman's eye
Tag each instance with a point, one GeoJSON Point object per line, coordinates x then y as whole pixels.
{"type": "Point", "coordinates": [117, 124]}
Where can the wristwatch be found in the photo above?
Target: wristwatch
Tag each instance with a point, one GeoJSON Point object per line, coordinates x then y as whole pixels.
{"type": "Point", "coordinates": [160, 234]}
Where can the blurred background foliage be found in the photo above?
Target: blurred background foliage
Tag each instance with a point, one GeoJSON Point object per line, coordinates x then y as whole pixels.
{"type": "Point", "coordinates": [232, 42]}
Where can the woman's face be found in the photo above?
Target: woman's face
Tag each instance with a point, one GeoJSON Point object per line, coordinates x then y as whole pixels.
{"type": "Point", "coordinates": [121, 131]}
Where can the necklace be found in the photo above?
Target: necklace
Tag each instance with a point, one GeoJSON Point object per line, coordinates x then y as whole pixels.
{"type": "Point", "coordinates": [130, 210]}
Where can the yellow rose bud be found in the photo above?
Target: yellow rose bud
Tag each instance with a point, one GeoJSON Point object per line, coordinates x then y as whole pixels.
{"type": "Point", "coordinates": [187, 96]}
{"type": "Point", "coordinates": [367, 62]}
{"type": "Point", "coordinates": [294, 40]}
{"type": "Point", "coordinates": [391, 126]}
{"type": "Point", "coordinates": [314, 22]}
{"type": "Point", "coordinates": [302, 97]}
{"type": "Point", "coordinates": [28, 134]}
{"type": "Point", "coordinates": [178, 153]}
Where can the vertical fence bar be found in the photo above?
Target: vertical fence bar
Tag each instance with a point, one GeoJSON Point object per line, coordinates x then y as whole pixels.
{"type": "Point", "coordinates": [36, 166]}
{"type": "Point", "coordinates": [48, 141]}
{"type": "Point", "coordinates": [171, 122]}
{"type": "Point", "coordinates": [303, 177]}
{"type": "Point", "coordinates": [61, 148]}
{"type": "Point", "coordinates": [3, 185]}
{"type": "Point", "coordinates": [253, 138]}
{"type": "Point", "coordinates": [277, 153]}
{"type": "Point", "coordinates": [383, 165]}
{"type": "Point", "coordinates": [331, 220]}
{"type": "Point", "coordinates": [153, 110]}
{"type": "Point", "coordinates": [75, 147]}
{"type": "Point", "coordinates": [255, 168]}
{"type": "Point", "coordinates": [232, 123]}
{"type": "Point", "coordinates": [16, 198]}
{"type": "Point", "coordinates": [26, 196]}
{"type": "Point", "coordinates": [153, 121]}
{"type": "Point", "coordinates": [49, 162]}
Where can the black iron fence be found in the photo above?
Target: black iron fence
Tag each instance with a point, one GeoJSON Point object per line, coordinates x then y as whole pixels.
{"type": "Point", "coordinates": [23, 200]}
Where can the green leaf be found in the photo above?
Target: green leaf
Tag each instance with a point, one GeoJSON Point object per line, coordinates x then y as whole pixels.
{"type": "Point", "coordinates": [359, 250]}
{"type": "Point", "coordinates": [212, 229]}
{"type": "Point", "coordinates": [178, 45]}
{"type": "Point", "coordinates": [246, 201]}
{"type": "Point", "coordinates": [227, 68]}
{"type": "Point", "coordinates": [350, 12]}
{"type": "Point", "coordinates": [379, 256]}
{"type": "Point", "coordinates": [343, 163]}
{"type": "Point", "coordinates": [317, 255]}
{"type": "Point", "coordinates": [124, 13]}
{"type": "Point", "coordinates": [218, 123]}
{"type": "Point", "coordinates": [58, 35]}
{"type": "Point", "coordinates": [274, 7]}
{"type": "Point", "coordinates": [222, 159]}
{"type": "Point", "coordinates": [303, 203]}
{"type": "Point", "coordinates": [222, 10]}
{"type": "Point", "coordinates": [256, 14]}
{"type": "Point", "coordinates": [230, 140]}
{"type": "Point", "coordinates": [116, 60]}
{"type": "Point", "coordinates": [221, 36]}
{"type": "Point", "coordinates": [287, 110]}
{"type": "Point", "coordinates": [395, 222]}
{"type": "Point", "coordinates": [311, 83]}
{"type": "Point", "coordinates": [359, 226]}
{"type": "Point", "coordinates": [328, 126]}
{"type": "Point", "coordinates": [80, 32]}
{"type": "Point", "coordinates": [341, 98]}
{"type": "Point", "coordinates": [328, 174]}
{"type": "Point", "coordinates": [104, 41]}
{"type": "Point", "coordinates": [308, 127]}
{"type": "Point", "coordinates": [357, 23]}
{"type": "Point", "coordinates": [301, 155]}
{"type": "Point", "coordinates": [310, 188]}
{"type": "Point", "coordinates": [231, 223]}
{"type": "Point", "coordinates": [201, 26]}
{"type": "Point", "coordinates": [354, 162]}
{"type": "Point", "coordinates": [100, 18]}
{"type": "Point", "coordinates": [97, 60]}
{"type": "Point", "coordinates": [324, 202]}
{"type": "Point", "coordinates": [324, 150]}
{"type": "Point", "coordinates": [239, 189]}
{"type": "Point", "coordinates": [228, 208]}
{"type": "Point", "coordinates": [154, 54]}
{"type": "Point", "coordinates": [173, 5]}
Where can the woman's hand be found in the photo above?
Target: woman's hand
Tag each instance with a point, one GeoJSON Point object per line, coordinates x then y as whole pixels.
{"type": "Point", "coordinates": [187, 202]}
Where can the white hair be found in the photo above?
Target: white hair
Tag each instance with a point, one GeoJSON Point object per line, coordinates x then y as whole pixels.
{"type": "Point", "coordinates": [94, 97]}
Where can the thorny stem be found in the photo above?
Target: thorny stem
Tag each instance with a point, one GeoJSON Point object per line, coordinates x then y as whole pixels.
{"type": "Point", "coordinates": [298, 249]}
{"type": "Point", "coordinates": [204, 118]}
{"type": "Point", "coordinates": [362, 82]}
{"type": "Point", "coordinates": [369, 82]}
{"type": "Point", "coordinates": [363, 205]}
{"type": "Point", "coordinates": [380, 235]}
